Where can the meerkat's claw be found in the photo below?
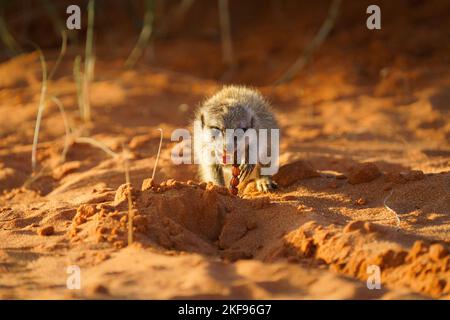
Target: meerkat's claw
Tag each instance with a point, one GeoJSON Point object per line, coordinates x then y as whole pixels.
{"type": "Point", "coordinates": [246, 170]}
{"type": "Point", "coordinates": [265, 184]}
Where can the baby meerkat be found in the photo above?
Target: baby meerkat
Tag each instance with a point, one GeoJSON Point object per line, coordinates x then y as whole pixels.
{"type": "Point", "coordinates": [235, 109]}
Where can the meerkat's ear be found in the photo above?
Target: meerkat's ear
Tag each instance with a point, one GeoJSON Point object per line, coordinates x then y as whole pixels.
{"type": "Point", "coordinates": [202, 119]}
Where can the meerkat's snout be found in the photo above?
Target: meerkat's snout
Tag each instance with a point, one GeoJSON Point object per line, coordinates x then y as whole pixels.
{"type": "Point", "coordinates": [228, 127]}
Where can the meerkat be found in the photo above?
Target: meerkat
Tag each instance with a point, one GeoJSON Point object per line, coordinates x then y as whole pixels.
{"type": "Point", "coordinates": [233, 107]}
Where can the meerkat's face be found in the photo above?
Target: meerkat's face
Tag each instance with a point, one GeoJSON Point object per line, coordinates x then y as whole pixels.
{"type": "Point", "coordinates": [217, 120]}
{"type": "Point", "coordinates": [225, 117]}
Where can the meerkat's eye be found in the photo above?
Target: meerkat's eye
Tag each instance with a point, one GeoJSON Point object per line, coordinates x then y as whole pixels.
{"type": "Point", "coordinates": [215, 131]}
{"type": "Point", "coordinates": [215, 128]}
{"type": "Point", "coordinates": [202, 119]}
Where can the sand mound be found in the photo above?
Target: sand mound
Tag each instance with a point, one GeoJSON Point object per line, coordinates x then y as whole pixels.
{"type": "Point", "coordinates": [195, 217]}
{"type": "Point", "coordinates": [173, 215]}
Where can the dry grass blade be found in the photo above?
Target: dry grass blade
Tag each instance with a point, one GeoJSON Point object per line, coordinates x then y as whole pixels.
{"type": "Point", "coordinates": [67, 128]}
{"type": "Point", "coordinates": [89, 62]}
{"type": "Point", "coordinates": [42, 172]}
{"type": "Point", "coordinates": [84, 78]}
{"type": "Point", "coordinates": [128, 182]}
{"type": "Point", "coordinates": [62, 53]}
{"type": "Point", "coordinates": [175, 17]}
{"type": "Point", "coordinates": [42, 98]}
{"type": "Point", "coordinates": [40, 109]}
{"type": "Point", "coordinates": [90, 29]}
{"type": "Point", "coordinates": [52, 12]}
{"type": "Point", "coordinates": [159, 151]}
{"type": "Point", "coordinates": [83, 140]}
{"type": "Point", "coordinates": [78, 76]}
{"type": "Point", "coordinates": [225, 31]}
{"type": "Point", "coordinates": [97, 144]}
{"type": "Point", "coordinates": [58, 23]}
{"type": "Point", "coordinates": [7, 38]}
{"type": "Point", "coordinates": [315, 43]}
{"type": "Point", "coordinates": [144, 36]}
{"type": "Point", "coordinates": [390, 209]}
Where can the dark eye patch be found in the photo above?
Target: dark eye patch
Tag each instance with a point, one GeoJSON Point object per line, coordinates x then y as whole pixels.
{"type": "Point", "coordinates": [215, 128]}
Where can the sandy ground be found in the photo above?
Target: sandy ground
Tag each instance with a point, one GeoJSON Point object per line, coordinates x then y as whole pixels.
{"type": "Point", "coordinates": [365, 180]}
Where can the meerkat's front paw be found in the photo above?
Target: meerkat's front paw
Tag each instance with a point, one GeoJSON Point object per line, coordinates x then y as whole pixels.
{"type": "Point", "coordinates": [265, 184]}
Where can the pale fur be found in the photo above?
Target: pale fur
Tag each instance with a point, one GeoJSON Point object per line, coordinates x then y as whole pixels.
{"type": "Point", "coordinates": [233, 107]}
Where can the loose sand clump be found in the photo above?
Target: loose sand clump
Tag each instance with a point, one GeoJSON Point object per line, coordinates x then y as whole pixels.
{"type": "Point", "coordinates": [46, 231]}
{"type": "Point", "coordinates": [405, 176]}
{"type": "Point", "coordinates": [292, 172]}
{"type": "Point", "coordinates": [364, 172]}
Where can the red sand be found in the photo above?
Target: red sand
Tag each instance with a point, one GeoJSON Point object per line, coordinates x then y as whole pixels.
{"type": "Point", "coordinates": [371, 130]}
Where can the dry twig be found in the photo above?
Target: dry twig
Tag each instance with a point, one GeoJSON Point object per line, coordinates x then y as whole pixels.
{"type": "Point", "coordinates": [315, 43]}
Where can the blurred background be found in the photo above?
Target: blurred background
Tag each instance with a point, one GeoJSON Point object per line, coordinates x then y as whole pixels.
{"type": "Point", "coordinates": [342, 93]}
{"type": "Point", "coordinates": [253, 42]}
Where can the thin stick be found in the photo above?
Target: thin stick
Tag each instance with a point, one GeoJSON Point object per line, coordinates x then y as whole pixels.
{"type": "Point", "coordinates": [176, 16]}
{"type": "Point", "coordinates": [97, 144]}
{"type": "Point", "coordinates": [42, 98]}
{"type": "Point", "coordinates": [225, 31]}
{"type": "Point", "coordinates": [62, 52]}
{"type": "Point", "coordinates": [85, 140]}
{"type": "Point", "coordinates": [40, 109]}
{"type": "Point", "coordinates": [89, 61]}
{"type": "Point", "coordinates": [66, 128]}
{"type": "Point", "coordinates": [315, 43]}
{"type": "Point", "coordinates": [53, 14]}
{"type": "Point", "coordinates": [90, 29]}
{"type": "Point", "coordinates": [159, 151]}
{"type": "Point", "coordinates": [35, 177]}
{"type": "Point", "coordinates": [144, 36]}
{"type": "Point", "coordinates": [7, 37]}
{"type": "Point", "coordinates": [183, 8]}
{"type": "Point", "coordinates": [78, 76]}
{"type": "Point", "coordinates": [390, 209]}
